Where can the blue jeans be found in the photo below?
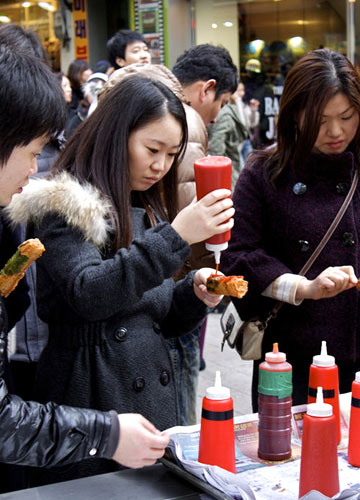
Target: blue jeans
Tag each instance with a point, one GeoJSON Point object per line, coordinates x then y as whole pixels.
{"type": "Point", "coordinates": [185, 356]}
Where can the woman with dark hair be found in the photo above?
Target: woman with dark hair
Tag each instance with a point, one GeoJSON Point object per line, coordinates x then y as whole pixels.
{"type": "Point", "coordinates": [285, 200]}
{"type": "Point", "coordinates": [78, 73]}
{"type": "Point", "coordinates": [107, 218]}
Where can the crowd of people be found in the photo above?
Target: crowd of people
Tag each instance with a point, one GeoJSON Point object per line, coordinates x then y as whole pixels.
{"type": "Point", "coordinates": [109, 324]}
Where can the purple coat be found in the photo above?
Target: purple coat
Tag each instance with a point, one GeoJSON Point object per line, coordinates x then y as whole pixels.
{"type": "Point", "coordinates": [275, 232]}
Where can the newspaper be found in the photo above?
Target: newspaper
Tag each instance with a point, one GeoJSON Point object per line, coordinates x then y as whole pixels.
{"type": "Point", "coordinates": [256, 478]}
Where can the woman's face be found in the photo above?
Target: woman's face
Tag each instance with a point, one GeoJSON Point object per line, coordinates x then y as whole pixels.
{"type": "Point", "coordinates": [66, 88]}
{"type": "Point", "coordinates": [152, 150]}
{"type": "Point", "coordinates": [339, 124]}
{"type": "Point", "coordinates": [85, 75]}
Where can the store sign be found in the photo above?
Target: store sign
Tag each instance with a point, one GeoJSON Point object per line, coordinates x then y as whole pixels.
{"type": "Point", "coordinates": [81, 29]}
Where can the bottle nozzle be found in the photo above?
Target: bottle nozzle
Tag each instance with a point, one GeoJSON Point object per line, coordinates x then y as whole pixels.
{"type": "Point", "coordinates": [275, 348]}
{"type": "Point", "coordinates": [319, 393]}
{"type": "Point", "coordinates": [323, 348]}
{"type": "Point", "coordinates": [217, 254]}
{"type": "Point", "coordinates": [217, 378]}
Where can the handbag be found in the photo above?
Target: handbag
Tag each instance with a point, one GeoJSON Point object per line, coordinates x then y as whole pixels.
{"type": "Point", "coordinates": [247, 336]}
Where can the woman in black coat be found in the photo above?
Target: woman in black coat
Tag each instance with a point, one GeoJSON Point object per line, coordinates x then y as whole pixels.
{"type": "Point", "coordinates": [32, 110]}
{"type": "Point", "coordinates": [286, 198]}
{"type": "Point", "coordinates": [108, 219]}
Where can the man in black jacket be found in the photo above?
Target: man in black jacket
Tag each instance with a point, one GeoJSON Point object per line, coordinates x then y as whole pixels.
{"type": "Point", "coordinates": [32, 110]}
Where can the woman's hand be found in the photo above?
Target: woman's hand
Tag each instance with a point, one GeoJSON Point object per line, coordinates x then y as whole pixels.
{"type": "Point", "coordinates": [200, 277]}
{"type": "Point", "coordinates": [140, 442]}
{"type": "Point", "coordinates": [329, 283]}
{"type": "Point", "coordinates": [204, 218]}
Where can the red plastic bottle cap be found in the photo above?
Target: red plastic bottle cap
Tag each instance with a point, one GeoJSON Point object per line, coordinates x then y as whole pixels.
{"type": "Point", "coordinates": [214, 161]}
{"type": "Point", "coordinates": [275, 356]}
{"type": "Point", "coordinates": [323, 359]}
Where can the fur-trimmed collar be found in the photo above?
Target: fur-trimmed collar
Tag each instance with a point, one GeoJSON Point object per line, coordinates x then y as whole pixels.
{"type": "Point", "coordinates": [81, 205]}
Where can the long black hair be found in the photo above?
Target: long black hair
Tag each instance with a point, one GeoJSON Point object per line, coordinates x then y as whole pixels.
{"type": "Point", "coordinates": [98, 150]}
{"type": "Point", "coordinates": [315, 78]}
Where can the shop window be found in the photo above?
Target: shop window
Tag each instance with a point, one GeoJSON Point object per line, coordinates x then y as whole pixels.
{"type": "Point", "coordinates": [38, 16]}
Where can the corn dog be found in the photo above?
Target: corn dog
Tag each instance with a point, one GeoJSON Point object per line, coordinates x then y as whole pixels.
{"type": "Point", "coordinates": [15, 268]}
{"type": "Point", "coordinates": [234, 286]}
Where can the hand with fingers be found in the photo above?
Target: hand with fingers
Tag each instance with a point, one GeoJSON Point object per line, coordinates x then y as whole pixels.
{"type": "Point", "coordinates": [140, 442]}
{"type": "Point", "coordinates": [200, 289]}
{"type": "Point", "coordinates": [206, 217]}
{"type": "Point", "coordinates": [329, 283]}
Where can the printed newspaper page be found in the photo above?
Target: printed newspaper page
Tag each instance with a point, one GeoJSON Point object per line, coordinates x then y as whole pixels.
{"type": "Point", "coordinates": [256, 478]}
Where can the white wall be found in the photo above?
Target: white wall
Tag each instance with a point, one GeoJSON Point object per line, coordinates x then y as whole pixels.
{"type": "Point", "coordinates": [179, 29]}
{"type": "Point", "coordinates": [208, 12]}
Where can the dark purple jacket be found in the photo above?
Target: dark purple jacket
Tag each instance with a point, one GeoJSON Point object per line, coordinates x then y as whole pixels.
{"type": "Point", "coordinates": [275, 232]}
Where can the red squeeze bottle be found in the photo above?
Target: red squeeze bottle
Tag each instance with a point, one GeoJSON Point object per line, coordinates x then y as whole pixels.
{"type": "Point", "coordinates": [213, 172]}
{"type": "Point", "coordinates": [274, 401]}
{"type": "Point", "coordinates": [217, 438]}
{"type": "Point", "coordinates": [354, 427]}
{"type": "Point", "coordinates": [324, 373]}
{"type": "Point", "coordinates": [319, 460]}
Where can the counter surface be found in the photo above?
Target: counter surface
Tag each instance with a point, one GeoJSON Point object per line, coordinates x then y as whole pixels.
{"type": "Point", "coordinates": [150, 483]}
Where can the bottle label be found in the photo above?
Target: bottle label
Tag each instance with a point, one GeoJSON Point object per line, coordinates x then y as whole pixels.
{"type": "Point", "coordinates": [217, 415]}
{"type": "Point", "coordinates": [275, 383]}
{"type": "Point", "coordinates": [355, 402]}
{"type": "Point", "coordinates": [327, 393]}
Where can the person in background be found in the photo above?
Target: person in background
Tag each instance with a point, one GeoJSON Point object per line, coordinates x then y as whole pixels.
{"type": "Point", "coordinates": [104, 66]}
{"type": "Point", "coordinates": [113, 238]}
{"type": "Point", "coordinates": [257, 87]}
{"type": "Point", "coordinates": [286, 198]}
{"type": "Point", "coordinates": [32, 109]}
{"type": "Point", "coordinates": [128, 47]}
{"type": "Point", "coordinates": [78, 74]}
{"type": "Point", "coordinates": [90, 89]}
{"type": "Point", "coordinates": [231, 131]}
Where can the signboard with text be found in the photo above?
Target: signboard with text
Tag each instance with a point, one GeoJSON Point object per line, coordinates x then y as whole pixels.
{"type": "Point", "coordinates": [80, 18]}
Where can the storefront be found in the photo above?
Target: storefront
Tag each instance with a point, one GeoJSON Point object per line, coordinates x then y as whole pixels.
{"type": "Point", "coordinates": [278, 32]}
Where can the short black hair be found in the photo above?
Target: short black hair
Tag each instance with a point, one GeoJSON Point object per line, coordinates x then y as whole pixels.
{"type": "Point", "coordinates": [205, 62]}
{"type": "Point", "coordinates": [117, 44]}
{"type": "Point", "coordinates": [32, 103]}
{"type": "Point", "coordinates": [23, 39]}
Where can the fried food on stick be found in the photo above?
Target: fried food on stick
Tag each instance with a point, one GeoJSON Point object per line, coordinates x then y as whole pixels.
{"type": "Point", "coordinates": [235, 286]}
{"type": "Point", "coordinates": [15, 268]}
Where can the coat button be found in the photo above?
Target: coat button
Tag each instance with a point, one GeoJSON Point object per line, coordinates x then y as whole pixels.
{"type": "Point", "coordinates": [299, 188]}
{"type": "Point", "coordinates": [348, 239]}
{"type": "Point", "coordinates": [120, 334]}
{"type": "Point", "coordinates": [138, 384]}
{"type": "Point", "coordinates": [342, 188]}
{"type": "Point", "coordinates": [164, 378]}
{"type": "Point", "coordinates": [304, 245]}
{"type": "Point", "coordinates": [156, 327]}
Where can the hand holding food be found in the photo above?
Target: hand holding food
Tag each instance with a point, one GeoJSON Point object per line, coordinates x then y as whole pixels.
{"type": "Point", "coordinates": [200, 289]}
{"type": "Point", "coordinates": [234, 286]}
{"type": "Point", "coordinates": [15, 268]}
{"type": "Point", "coordinates": [329, 283]}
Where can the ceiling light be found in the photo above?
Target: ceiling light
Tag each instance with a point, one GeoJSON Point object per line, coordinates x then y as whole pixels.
{"type": "Point", "coordinates": [214, 25]}
{"type": "Point", "coordinates": [5, 19]}
{"type": "Point", "coordinates": [26, 4]}
{"type": "Point", "coordinates": [46, 6]}
{"type": "Point", "coordinates": [228, 24]}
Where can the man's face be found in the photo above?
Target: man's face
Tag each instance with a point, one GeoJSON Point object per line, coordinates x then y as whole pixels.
{"type": "Point", "coordinates": [15, 173]}
{"type": "Point", "coordinates": [136, 52]}
{"type": "Point", "coordinates": [210, 107]}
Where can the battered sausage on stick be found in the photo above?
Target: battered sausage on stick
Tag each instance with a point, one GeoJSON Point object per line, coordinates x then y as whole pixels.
{"type": "Point", "coordinates": [234, 286]}
{"type": "Point", "coordinates": [15, 268]}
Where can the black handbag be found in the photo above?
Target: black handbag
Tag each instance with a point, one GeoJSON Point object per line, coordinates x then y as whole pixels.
{"type": "Point", "coordinates": [247, 336]}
